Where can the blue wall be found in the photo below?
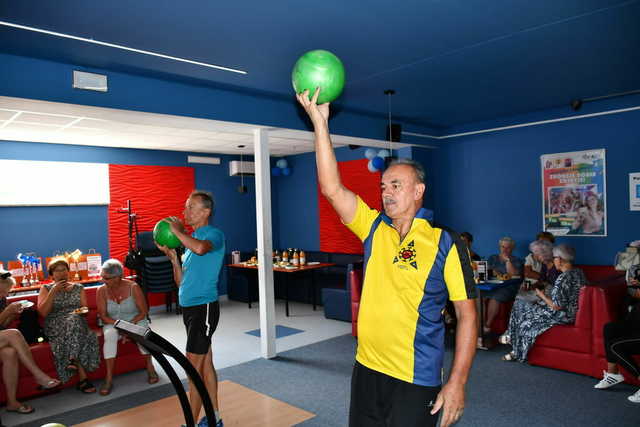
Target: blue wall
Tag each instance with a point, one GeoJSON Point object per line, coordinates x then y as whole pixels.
{"type": "Point", "coordinates": [45, 230]}
{"type": "Point", "coordinates": [490, 184]}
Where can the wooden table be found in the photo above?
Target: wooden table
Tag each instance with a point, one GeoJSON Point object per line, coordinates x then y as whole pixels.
{"type": "Point", "coordinates": [309, 267]}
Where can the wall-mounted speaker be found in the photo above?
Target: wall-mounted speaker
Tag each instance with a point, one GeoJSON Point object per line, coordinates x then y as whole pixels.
{"type": "Point", "coordinates": [394, 132]}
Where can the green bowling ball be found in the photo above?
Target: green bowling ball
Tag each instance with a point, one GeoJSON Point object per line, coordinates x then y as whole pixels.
{"type": "Point", "coordinates": [163, 235]}
{"type": "Point", "coordinates": [53, 425]}
{"type": "Point", "coordinates": [319, 68]}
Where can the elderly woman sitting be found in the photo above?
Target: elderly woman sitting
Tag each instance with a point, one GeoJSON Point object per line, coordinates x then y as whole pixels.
{"type": "Point", "coordinates": [14, 348]}
{"type": "Point", "coordinates": [507, 265]}
{"type": "Point", "coordinates": [530, 319]}
{"type": "Point", "coordinates": [121, 299]}
{"type": "Point", "coordinates": [539, 269]}
{"type": "Point", "coordinates": [74, 346]}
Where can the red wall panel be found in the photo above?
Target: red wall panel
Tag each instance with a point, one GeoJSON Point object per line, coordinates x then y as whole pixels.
{"type": "Point", "coordinates": [155, 193]}
{"type": "Point", "coordinates": [334, 236]}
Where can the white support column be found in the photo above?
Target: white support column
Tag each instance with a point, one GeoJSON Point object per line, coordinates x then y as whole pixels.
{"type": "Point", "coordinates": [265, 244]}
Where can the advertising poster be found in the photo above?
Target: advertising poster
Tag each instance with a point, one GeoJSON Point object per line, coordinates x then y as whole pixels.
{"type": "Point", "coordinates": [574, 193]}
{"type": "Point", "coordinates": [634, 191]}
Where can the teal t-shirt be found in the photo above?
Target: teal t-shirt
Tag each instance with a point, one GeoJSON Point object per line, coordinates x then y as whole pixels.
{"type": "Point", "coordinates": [200, 273]}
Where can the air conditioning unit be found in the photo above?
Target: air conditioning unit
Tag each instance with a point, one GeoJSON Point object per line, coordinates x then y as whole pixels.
{"type": "Point", "coordinates": [237, 168]}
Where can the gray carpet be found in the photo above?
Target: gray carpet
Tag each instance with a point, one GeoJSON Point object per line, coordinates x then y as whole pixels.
{"type": "Point", "coordinates": [316, 378]}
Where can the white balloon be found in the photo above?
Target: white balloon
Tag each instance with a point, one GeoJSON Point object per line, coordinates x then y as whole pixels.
{"type": "Point", "coordinates": [384, 154]}
{"type": "Point", "coordinates": [369, 153]}
{"type": "Point", "coordinates": [371, 167]}
{"type": "Point", "coordinates": [282, 163]}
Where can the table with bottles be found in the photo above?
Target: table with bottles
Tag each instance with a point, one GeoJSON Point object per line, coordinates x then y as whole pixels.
{"type": "Point", "coordinates": [288, 261]}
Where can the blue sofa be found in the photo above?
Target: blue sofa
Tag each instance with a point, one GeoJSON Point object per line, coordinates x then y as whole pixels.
{"type": "Point", "coordinates": [337, 301]}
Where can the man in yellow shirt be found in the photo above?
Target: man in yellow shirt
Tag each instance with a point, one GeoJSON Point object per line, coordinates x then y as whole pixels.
{"type": "Point", "coordinates": [411, 269]}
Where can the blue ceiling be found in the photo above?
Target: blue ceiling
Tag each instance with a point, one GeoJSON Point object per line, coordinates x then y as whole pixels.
{"type": "Point", "coordinates": [451, 61]}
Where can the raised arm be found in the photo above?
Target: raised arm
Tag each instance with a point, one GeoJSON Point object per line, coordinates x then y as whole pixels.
{"type": "Point", "coordinates": [199, 247]}
{"type": "Point", "coordinates": [46, 297]}
{"type": "Point", "coordinates": [340, 197]}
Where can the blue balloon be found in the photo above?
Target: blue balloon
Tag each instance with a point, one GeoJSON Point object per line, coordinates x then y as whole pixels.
{"type": "Point", "coordinates": [276, 171]}
{"type": "Point", "coordinates": [369, 153]}
{"type": "Point", "coordinates": [286, 171]}
{"type": "Point", "coordinates": [371, 167]}
{"type": "Point", "coordinates": [377, 162]}
{"type": "Point", "coordinates": [383, 153]}
{"type": "Point", "coordinates": [282, 163]}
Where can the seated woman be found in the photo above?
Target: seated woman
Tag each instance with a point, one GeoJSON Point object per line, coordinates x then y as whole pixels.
{"type": "Point", "coordinates": [122, 299]}
{"type": "Point", "coordinates": [73, 344]}
{"type": "Point", "coordinates": [622, 339]}
{"type": "Point", "coordinates": [506, 264]}
{"type": "Point", "coordinates": [532, 266]}
{"type": "Point", "coordinates": [530, 319]}
{"type": "Point", "coordinates": [14, 348]}
{"type": "Point", "coordinates": [541, 272]}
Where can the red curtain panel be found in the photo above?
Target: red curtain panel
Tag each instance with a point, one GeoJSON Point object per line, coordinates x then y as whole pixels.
{"type": "Point", "coordinates": [334, 236]}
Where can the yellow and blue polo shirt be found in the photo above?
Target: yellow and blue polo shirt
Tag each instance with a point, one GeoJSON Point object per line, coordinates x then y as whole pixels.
{"type": "Point", "coordinates": [406, 286]}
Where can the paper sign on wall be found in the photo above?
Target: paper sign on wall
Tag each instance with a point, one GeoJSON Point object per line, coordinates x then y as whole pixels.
{"type": "Point", "coordinates": [574, 193]}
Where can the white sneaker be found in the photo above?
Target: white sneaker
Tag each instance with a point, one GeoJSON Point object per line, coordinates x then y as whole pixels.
{"type": "Point", "coordinates": [635, 397]}
{"type": "Point", "coordinates": [609, 380]}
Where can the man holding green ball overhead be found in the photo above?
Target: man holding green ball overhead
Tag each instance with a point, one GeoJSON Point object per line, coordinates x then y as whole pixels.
{"type": "Point", "coordinates": [198, 282]}
{"type": "Point", "coordinates": [412, 267]}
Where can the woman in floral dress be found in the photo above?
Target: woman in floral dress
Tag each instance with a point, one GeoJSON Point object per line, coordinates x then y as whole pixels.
{"type": "Point", "coordinates": [74, 346]}
{"type": "Point", "coordinates": [530, 319]}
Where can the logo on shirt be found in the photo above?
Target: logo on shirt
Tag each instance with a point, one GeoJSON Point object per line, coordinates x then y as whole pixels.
{"type": "Point", "coordinates": [407, 255]}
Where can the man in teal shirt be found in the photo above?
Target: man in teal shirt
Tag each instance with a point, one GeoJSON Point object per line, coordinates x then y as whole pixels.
{"type": "Point", "coordinates": [198, 282]}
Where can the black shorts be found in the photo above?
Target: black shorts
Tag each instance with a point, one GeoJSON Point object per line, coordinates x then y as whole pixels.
{"type": "Point", "coordinates": [201, 322]}
{"type": "Point", "coordinates": [378, 400]}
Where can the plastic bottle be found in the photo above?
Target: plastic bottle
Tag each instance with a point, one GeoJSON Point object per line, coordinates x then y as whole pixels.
{"type": "Point", "coordinates": [285, 257]}
{"type": "Point", "coordinates": [296, 260]}
{"type": "Point", "coordinates": [303, 258]}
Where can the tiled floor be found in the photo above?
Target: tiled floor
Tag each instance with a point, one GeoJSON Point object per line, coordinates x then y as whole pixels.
{"type": "Point", "coordinates": [231, 346]}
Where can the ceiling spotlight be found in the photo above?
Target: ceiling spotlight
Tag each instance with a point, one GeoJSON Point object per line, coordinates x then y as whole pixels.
{"type": "Point", "coordinates": [576, 104]}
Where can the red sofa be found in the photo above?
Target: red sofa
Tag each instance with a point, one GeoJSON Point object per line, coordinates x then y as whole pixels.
{"type": "Point", "coordinates": [128, 359]}
{"type": "Point", "coordinates": [579, 347]}
{"type": "Point", "coordinates": [595, 274]}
